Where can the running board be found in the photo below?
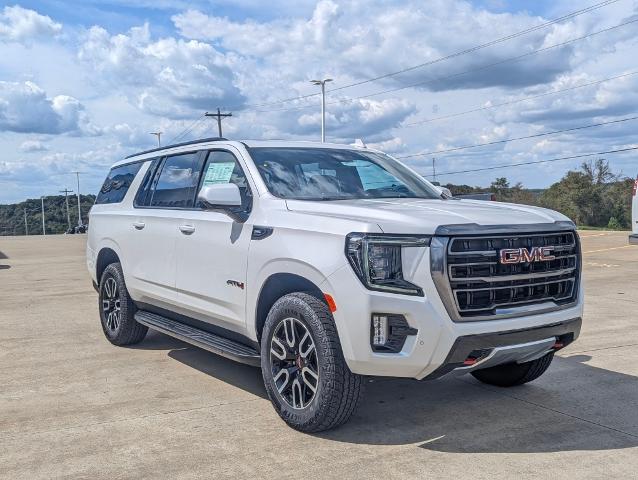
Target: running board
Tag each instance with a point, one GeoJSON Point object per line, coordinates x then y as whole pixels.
{"type": "Point", "coordinates": [199, 338]}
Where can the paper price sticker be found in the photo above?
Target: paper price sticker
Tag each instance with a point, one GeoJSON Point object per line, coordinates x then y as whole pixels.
{"type": "Point", "coordinates": [219, 173]}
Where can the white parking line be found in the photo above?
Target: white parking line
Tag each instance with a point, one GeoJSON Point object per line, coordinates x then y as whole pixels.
{"type": "Point", "coordinates": [607, 249]}
{"type": "Point", "coordinates": [594, 235]}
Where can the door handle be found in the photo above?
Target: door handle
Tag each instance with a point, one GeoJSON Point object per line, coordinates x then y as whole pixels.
{"type": "Point", "coordinates": [186, 229]}
{"type": "Point", "coordinates": [139, 225]}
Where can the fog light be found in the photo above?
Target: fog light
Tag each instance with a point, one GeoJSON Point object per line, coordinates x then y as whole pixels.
{"type": "Point", "coordinates": [380, 330]}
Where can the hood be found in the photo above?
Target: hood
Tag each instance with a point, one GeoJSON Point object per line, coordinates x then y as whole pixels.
{"type": "Point", "coordinates": [408, 215]}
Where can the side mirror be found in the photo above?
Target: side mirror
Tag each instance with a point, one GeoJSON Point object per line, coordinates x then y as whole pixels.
{"type": "Point", "coordinates": [444, 191]}
{"type": "Point", "coordinates": [220, 196]}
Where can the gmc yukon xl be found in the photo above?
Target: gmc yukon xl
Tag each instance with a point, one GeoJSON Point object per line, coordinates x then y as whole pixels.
{"type": "Point", "coordinates": [324, 263]}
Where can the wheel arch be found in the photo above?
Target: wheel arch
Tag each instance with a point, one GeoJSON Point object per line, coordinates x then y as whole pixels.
{"type": "Point", "coordinates": [105, 257]}
{"type": "Point", "coordinates": [276, 286]}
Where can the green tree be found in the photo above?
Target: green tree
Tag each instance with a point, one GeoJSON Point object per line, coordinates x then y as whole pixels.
{"type": "Point", "coordinates": [591, 196]}
{"type": "Point", "coordinates": [12, 216]}
{"type": "Point", "coordinates": [506, 193]}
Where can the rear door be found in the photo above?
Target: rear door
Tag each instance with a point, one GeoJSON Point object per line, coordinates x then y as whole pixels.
{"type": "Point", "coordinates": [167, 191]}
{"type": "Point", "coordinates": [212, 250]}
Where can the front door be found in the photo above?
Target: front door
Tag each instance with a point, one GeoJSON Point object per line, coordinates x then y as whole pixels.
{"type": "Point", "coordinates": [212, 252]}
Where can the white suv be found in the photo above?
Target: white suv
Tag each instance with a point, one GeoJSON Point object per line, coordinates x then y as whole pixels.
{"type": "Point", "coordinates": [323, 263]}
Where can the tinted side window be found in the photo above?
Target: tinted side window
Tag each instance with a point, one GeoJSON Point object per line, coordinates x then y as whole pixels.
{"type": "Point", "coordinates": [143, 196]}
{"type": "Point", "coordinates": [177, 182]}
{"type": "Point", "coordinates": [223, 167]}
{"type": "Point", "coordinates": [117, 183]}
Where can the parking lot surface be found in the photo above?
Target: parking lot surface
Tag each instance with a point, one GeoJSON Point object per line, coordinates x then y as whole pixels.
{"type": "Point", "coordinates": [74, 406]}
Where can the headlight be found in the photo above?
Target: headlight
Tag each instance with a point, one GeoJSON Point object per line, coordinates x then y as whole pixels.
{"type": "Point", "coordinates": [376, 259]}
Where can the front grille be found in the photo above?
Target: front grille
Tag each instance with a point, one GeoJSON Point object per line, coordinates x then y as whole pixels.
{"type": "Point", "coordinates": [480, 286]}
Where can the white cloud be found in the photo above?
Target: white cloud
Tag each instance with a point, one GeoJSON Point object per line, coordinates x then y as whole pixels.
{"type": "Point", "coordinates": [33, 146]}
{"type": "Point", "coordinates": [362, 39]}
{"type": "Point", "coordinates": [169, 77]}
{"type": "Point", "coordinates": [364, 118]}
{"type": "Point", "coordinates": [612, 98]}
{"type": "Point", "coordinates": [135, 81]}
{"type": "Point", "coordinates": [20, 24]}
{"type": "Point", "coordinates": [46, 174]}
{"type": "Point", "coordinates": [25, 108]}
{"type": "Point", "coordinates": [392, 145]}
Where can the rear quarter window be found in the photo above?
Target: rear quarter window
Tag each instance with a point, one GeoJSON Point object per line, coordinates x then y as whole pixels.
{"type": "Point", "coordinates": [117, 183]}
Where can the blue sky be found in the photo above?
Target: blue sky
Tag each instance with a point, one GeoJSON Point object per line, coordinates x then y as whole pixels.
{"type": "Point", "coordinates": [82, 83]}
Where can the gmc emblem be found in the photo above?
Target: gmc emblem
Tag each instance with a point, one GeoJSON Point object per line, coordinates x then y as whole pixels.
{"type": "Point", "coordinates": [509, 256]}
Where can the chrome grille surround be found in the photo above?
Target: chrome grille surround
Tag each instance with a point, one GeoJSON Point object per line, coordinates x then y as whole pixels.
{"type": "Point", "coordinates": [474, 286]}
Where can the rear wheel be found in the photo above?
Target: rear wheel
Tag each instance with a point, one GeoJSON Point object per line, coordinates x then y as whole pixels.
{"type": "Point", "coordinates": [513, 374]}
{"type": "Point", "coordinates": [305, 374]}
{"type": "Point", "coordinates": [117, 310]}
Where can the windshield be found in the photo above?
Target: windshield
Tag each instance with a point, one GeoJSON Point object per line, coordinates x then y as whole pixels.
{"type": "Point", "coordinates": [335, 174]}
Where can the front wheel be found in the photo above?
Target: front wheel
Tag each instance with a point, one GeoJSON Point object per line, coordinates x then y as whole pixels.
{"type": "Point", "coordinates": [512, 374]}
{"type": "Point", "coordinates": [305, 374]}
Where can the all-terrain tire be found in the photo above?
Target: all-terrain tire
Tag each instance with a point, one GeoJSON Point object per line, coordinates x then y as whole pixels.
{"type": "Point", "coordinates": [121, 329]}
{"type": "Point", "coordinates": [337, 389]}
{"type": "Point", "coordinates": [513, 374]}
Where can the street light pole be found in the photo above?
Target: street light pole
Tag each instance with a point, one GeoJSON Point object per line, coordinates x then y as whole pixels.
{"type": "Point", "coordinates": [79, 207]}
{"type": "Point", "coordinates": [44, 231]}
{"type": "Point", "coordinates": [322, 83]}
{"type": "Point", "coordinates": [159, 138]}
{"type": "Point", "coordinates": [433, 169]}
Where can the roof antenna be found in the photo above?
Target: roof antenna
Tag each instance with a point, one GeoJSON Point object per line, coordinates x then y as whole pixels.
{"type": "Point", "coordinates": [359, 143]}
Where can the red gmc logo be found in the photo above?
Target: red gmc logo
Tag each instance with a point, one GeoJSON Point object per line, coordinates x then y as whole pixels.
{"type": "Point", "coordinates": [510, 256]}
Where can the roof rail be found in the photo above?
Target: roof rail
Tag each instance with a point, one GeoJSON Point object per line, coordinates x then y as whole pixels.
{"type": "Point", "coordinates": [192, 142]}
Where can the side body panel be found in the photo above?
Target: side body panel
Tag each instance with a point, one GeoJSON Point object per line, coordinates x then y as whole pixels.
{"type": "Point", "coordinates": [211, 268]}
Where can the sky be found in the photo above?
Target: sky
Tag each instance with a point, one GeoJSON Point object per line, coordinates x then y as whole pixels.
{"type": "Point", "coordinates": [83, 82]}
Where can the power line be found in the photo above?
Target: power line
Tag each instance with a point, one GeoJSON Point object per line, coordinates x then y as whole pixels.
{"type": "Point", "coordinates": [507, 165]}
{"type": "Point", "coordinates": [440, 59]}
{"type": "Point", "coordinates": [536, 135]}
{"type": "Point", "coordinates": [186, 131]}
{"type": "Point", "coordinates": [464, 72]}
{"type": "Point", "coordinates": [484, 45]}
{"type": "Point", "coordinates": [511, 102]}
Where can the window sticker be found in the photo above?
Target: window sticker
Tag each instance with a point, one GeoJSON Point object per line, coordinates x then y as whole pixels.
{"type": "Point", "coordinates": [373, 176]}
{"type": "Point", "coordinates": [219, 173]}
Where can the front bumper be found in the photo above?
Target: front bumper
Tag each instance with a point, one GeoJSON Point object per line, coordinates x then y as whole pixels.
{"type": "Point", "coordinates": [435, 344]}
{"type": "Point", "coordinates": [521, 345]}
{"type": "Point", "coordinates": [633, 239]}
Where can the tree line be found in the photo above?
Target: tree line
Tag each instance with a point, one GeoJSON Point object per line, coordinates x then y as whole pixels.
{"type": "Point", "coordinates": [593, 196]}
{"type": "Point", "coordinates": [12, 217]}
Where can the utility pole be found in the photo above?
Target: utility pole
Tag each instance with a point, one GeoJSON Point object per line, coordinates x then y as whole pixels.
{"type": "Point", "coordinates": [44, 231]}
{"type": "Point", "coordinates": [322, 83]}
{"type": "Point", "coordinates": [79, 201]}
{"type": "Point", "coordinates": [159, 138]}
{"type": "Point", "coordinates": [66, 192]}
{"type": "Point", "coordinates": [26, 224]}
{"type": "Point", "coordinates": [219, 116]}
{"type": "Point", "coordinates": [433, 169]}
